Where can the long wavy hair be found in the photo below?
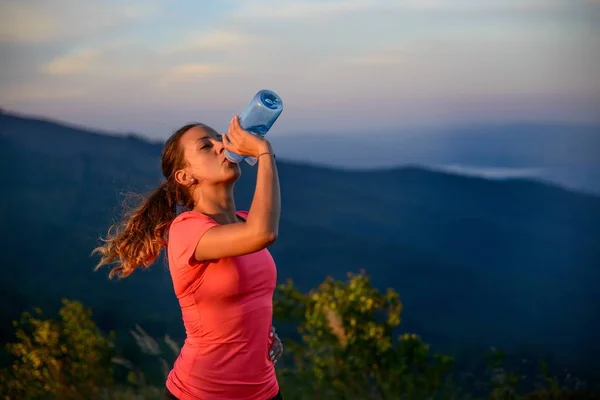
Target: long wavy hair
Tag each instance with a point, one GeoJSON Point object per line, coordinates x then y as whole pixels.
{"type": "Point", "coordinates": [136, 242]}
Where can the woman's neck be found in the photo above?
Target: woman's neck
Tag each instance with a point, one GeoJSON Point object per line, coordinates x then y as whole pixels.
{"type": "Point", "coordinates": [218, 203]}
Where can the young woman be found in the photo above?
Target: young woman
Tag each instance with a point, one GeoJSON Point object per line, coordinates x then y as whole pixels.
{"type": "Point", "coordinates": [223, 275]}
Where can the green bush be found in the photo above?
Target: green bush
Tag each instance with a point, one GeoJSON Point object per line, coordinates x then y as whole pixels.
{"type": "Point", "coordinates": [347, 350]}
{"type": "Point", "coordinates": [65, 359]}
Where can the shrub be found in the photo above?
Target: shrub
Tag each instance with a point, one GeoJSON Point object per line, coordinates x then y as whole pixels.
{"type": "Point", "coordinates": [348, 349]}
{"type": "Point", "coordinates": [68, 358]}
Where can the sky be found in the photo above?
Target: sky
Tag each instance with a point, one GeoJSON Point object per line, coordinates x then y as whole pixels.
{"type": "Point", "coordinates": [356, 65]}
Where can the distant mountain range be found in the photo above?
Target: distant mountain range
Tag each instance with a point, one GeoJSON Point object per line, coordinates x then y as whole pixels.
{"type": "Point", "coordinates": [478, 263]}
{"type": "Point", "coordinates": [563, 154]}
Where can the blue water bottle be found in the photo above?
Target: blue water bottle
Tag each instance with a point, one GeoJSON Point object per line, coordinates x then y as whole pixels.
{"type": "Point", "coordinates": [257, 118]}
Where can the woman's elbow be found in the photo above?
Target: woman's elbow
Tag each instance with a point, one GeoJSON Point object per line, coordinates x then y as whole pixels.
{"type": "Point", "coordinates": [270, 238]}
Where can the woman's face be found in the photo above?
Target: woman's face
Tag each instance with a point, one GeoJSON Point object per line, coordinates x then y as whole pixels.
{"type": "Point", "coordinates": [204, 157]}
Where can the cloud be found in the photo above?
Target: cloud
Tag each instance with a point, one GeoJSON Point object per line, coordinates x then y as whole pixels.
{"type": "Point", "coordinates": [71, 64]}
{"type": "Point", "coordinates": [188, 73]}
{"type": "Point", "coordinates": [292, 10]}
{"type": "Point", "coordinates": [112, 57]}
{"type": "Point", "coordinates": [40, 21]}
{"type": "Point", "coordinates": [491, 172]}
{"type": "Point", "coordinates": [219, 39]}
{"type": "Point", "coordinates": [115, 62]}
{"type": "Point", "coordinates": [481, 5]}
{"type": "Point", "coordinates": [47, 92]}
{"type": "Point", "coordinates": [379, 59]}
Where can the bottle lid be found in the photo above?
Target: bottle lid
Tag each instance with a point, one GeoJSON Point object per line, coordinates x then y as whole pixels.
{"type": "Point", "coordinates": [270, 99]}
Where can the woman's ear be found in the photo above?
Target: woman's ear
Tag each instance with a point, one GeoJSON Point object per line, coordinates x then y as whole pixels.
{"type": "Point", "coordinates": [185, 178]}
{"type": "Point", "coordinates": [182, 177]}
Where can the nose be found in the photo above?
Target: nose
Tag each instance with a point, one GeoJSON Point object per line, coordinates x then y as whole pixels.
{"type": "Point", "coordinates": [219, 146]}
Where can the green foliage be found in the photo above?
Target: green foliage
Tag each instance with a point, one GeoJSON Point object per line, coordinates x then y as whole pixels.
{"type": "Point", "coordinates": [68, 358]}
{"type": "Point", "coordinates": [348, 348]}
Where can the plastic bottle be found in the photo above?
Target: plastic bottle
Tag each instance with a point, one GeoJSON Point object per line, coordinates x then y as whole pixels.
{"type": "Point", "coordinates": [257, 118]}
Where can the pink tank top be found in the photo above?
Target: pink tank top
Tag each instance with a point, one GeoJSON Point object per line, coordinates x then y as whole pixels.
{"type": "Point", "coordinates": [227, 308]}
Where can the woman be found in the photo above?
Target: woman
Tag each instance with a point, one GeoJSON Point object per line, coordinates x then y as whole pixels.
{"type": "Point", "coordinates": [223, 275]}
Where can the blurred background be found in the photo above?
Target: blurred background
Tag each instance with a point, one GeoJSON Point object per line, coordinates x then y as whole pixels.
{"type": "Point", "coordinates": [450, 149]}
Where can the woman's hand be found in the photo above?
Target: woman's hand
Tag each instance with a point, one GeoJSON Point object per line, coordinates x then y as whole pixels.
{"type": "Point", "coordinates": [276, 350]}
{"type": "Point", "coordinates": [239, 141]}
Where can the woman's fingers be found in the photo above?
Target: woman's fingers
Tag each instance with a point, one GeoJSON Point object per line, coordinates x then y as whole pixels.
{"type": "Point", "coordinates": [276, 348]}
{"type": "Point", "coordinates": [230, 131]}
{"type": "Point", "coordinates": [234, 127]}
{"type": "Point", "coordinates": [236, 123]}
{"type": "Point", "coordinates": [244, 142]}
{"type": "Point", "coordinates": [276, 353]}
{"type": "Point", "coordinates": [228, 144]}
{"type": "Point", "coordinates": [279, 351]}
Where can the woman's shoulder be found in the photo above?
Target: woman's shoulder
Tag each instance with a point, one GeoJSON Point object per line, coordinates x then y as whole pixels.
{"type": "Point", "coordinates": [191, 215]}
{"type": "Point", "coordinates": [186, 228]}
{"type": "Point", "coordinates": [187, 215]}
{"type": "Point", "coordinates": [189, 219]}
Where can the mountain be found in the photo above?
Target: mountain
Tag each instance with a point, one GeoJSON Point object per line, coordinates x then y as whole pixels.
{"type": "Point", "coordinates": [563, 154]}
{"type": "Point", "coordinates": [478, 263]}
